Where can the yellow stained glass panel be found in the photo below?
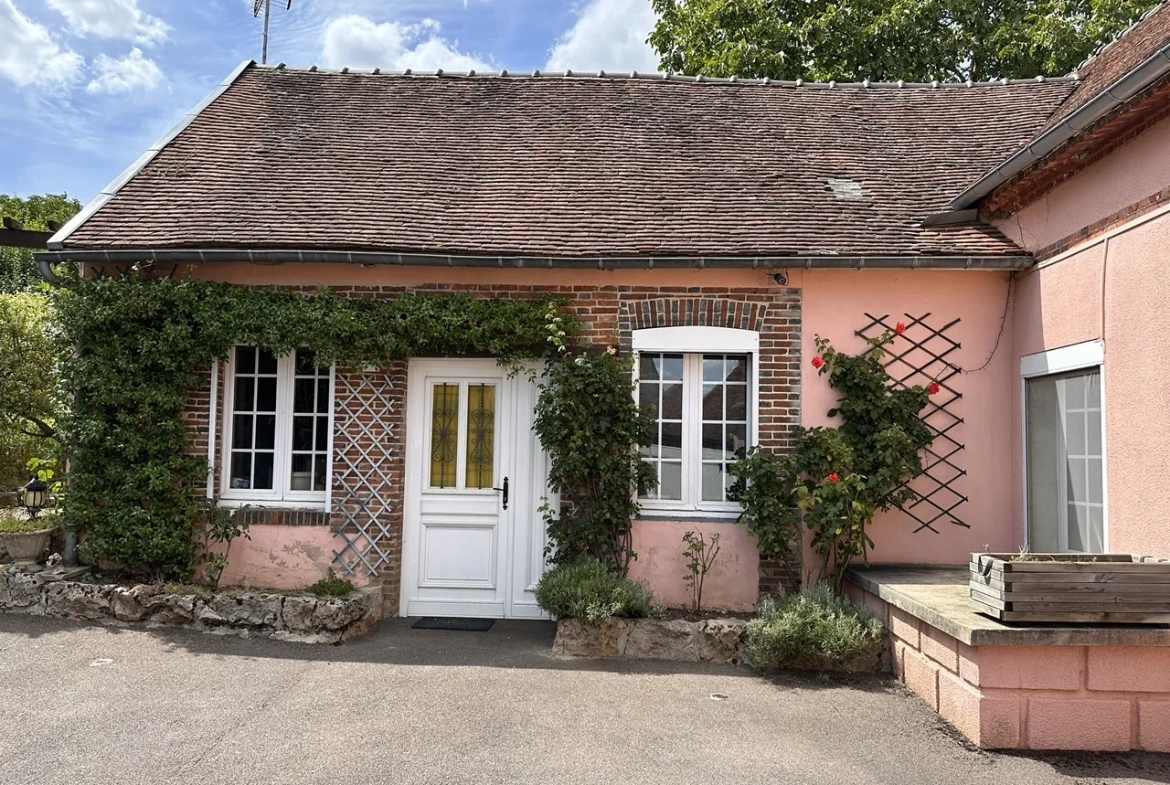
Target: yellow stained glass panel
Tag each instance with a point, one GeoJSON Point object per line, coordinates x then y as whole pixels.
{"type": "Point", "coordinates": [481, 435]}
{"type": "Point", "coordinates": [444, 435]}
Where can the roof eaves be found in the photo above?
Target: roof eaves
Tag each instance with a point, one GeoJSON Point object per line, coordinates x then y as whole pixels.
{"type": "Point", "coordinates": [57, 241]}
{"type": "Point", "coordinates": [1084, 116]}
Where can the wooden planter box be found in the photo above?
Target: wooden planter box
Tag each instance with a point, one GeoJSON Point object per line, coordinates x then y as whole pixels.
{"type": "Point", "coordinates": [1065, 587]}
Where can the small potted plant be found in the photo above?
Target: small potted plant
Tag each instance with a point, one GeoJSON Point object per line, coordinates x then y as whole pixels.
{"type": "Point", "coordinates": [26, 538]}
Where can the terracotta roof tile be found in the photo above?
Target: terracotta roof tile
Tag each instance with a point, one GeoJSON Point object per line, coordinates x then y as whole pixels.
{"type": "Point", "coordinates": [572, 167]}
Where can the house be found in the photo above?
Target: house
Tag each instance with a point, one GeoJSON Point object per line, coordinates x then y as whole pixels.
{"type": "Point", "coordinates": [711, 227]}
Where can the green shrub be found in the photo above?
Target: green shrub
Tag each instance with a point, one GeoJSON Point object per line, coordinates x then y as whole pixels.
{"type": "Point", "coordinates": [807, 629]}
{"type": "Point", "coordinates": [589, 591]}
{"type": "Point", "coordinates": [331, 587]}
{"type": "Point", "coordinates": [10, 524]}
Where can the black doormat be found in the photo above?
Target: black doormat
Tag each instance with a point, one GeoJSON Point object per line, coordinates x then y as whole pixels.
{"type": "Point", "coordinates": [462, 625]}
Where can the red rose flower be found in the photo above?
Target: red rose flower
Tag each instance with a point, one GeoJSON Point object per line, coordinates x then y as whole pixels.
{"type": "Point", "coordinates": [833, 477]}
{"type": "Point", "coordinates": [900, 328]}
{"type": "Point", "coordinates": [817, 361]}
{"type": "Point", "coordinates": [933, 388]}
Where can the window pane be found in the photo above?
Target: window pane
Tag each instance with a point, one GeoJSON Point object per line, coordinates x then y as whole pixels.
{"type": "Point", "coordinates": [481, 435]}
{"type": "Point", "coordinates": [302, 433]}
{"type": "Point", "coordinates": [1094, 435]}
{"type": "Point", "coordinates": [737, 368]}
{"type": "Point", "coordinates": [648, 398]}
{"type": "Point", "coordinates": [444, 438]}
{"type": "Point", "coordinates": [262, 471]}
{"type": "Point", "coordinates": [672, 402]}
{"type": "Point", "coordinates": [241, 474]}
{"type": "Point", "coordinates": [1096, 529]}
{"type": "Point", "coordinates": [266, 394]}
{"type": "Point", "coordinates": [1093, 390]}
{"type": "Point", "coordinates": [670, 481]}
{"type": "Point", "coordinates": [322, 443]}
{"type": "Point", "coordinates": [672, 367]}
{"type": "Point", "coordinates": [242, 431]}
{"type": "Point", "coordinates": [1096, 481]}
{"type": "Point", "coordinates": [712, 442]}
{"type": "Point", "coordinates": [671, 440]}
{"type": "Point", "coordinates": [267, 361]}
{"type": "Point", "coordinates": [1074, 433]}
{"type": "Point", "coordinates": [737, 402]}
{"type": "Point", "coordinates": [713, 482]}
{"type": "Point", "coordinates": [323, 394]}
{"type": "Point", "coordinates": [713, 402]}
{"type": "Point", "coordinates": [713, 368]}
{"type": "Point", "coordinates": [303, 395]}
{"type": "Point", "coordinates": [245, 359]}
{"type": "Point", "coordinates": [245, 394]}
{"type": "Point", "coordinates": [1077, 483]}
{"type": "Point", "coordinates": [649, 366]}
{"type": "Point", "coordinates": [302, 473]}
{"type": "Point", "coordinates": [306, 363]}
{"type": "Point", "coordinates": [736, 445]}
{"type": "Point", "coordinates": [265, 431]}
{"type": "Point", "coordinates": [1044, 500]}
{"type": "Point", "coordinates": [319, 473]}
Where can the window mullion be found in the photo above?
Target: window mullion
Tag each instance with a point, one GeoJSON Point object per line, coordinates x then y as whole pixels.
{"type": "Point", "coordinates": [282, 464]}
{"type": "Point", "coordinates": [692, 457]}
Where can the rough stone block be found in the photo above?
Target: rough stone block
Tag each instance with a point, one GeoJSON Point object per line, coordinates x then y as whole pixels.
{"type": "Point", "coordinates": [990, 722]}
{"type": "Point", "coordinates": [297, 613]}
{"type": "Point", "coordinates": [940, 647]}
{"type": "Point", "coordinates": [1025, 667]}
{"type": "Point", "coordinates": [78, 600]}
{"type": "Point", "coordinates": [5, 597]}
{"type": "Point", "coordinates": [921, 676]}
{"type": "Point", "coordinates": [1154, 725]}
{"type": "Point", "coordinates": [580, 639]}
{"type": "Point", "coordinates": [243, 610]}
{"type": "Point", "coordinates": [653, 639]}
{"type": "Point", "coordinates": [26, 593]}
{"type": "Point", "coordinates": [722, 640]}
{"type": "Point", "coordinates": [904, 627]}
{"type": "Point", "coordinates": [171, 609]}
{"type": "Point", "coordinates": [1078, 723]}
{"type": "Point", "coordinates": [340, 612]}
{"type": "Point", "coordinates": [1129, 668]}
{"type": "Point", "coordinates": [127, 603]}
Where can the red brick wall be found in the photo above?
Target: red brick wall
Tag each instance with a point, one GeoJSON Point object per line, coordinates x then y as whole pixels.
{"type": "Point", "coordinates": [608, 315]}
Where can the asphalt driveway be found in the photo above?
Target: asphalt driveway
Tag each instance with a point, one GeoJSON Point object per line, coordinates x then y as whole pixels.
{"type": "Point", "coordinates": [86, 704]}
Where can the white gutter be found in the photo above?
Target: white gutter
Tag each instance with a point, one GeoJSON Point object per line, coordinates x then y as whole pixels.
{"type": "Point", "coordinates": [1117, 94]}
{"type": "Point", "coordinates": [57, 241]}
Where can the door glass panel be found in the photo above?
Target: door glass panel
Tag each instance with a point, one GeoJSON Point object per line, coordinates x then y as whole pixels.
{"type": "Point", "coordinates": [444, 434]}
{"type": "Point", "coordinates": [481, 435]}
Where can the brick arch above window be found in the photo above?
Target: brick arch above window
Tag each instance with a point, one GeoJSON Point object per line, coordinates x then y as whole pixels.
{"type": "Point", "coordinates": [693, 312]}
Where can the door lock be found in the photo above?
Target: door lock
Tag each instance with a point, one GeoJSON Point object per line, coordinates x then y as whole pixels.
{"type": "Point", "coordinates": [505, 491]}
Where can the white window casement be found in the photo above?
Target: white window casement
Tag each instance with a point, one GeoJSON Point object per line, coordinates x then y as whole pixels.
{"type": "Point", "coordinates": [277, 429]}
{"type": "Point", "coordinates": [701, 386]}
{"type": "Point", "coordinates": [1064, 449]}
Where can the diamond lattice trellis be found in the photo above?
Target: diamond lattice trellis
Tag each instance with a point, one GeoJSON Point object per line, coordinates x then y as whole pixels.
{"type": "Point", "coordinates": [362, 492]}
{"type": "Point", "coordinates": [919, 355]}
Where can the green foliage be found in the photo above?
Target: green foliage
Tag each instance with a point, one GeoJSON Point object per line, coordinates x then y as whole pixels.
{"type": "Point", "coordinates": [590, 425]}
{"type": "Point", "coordinates": [700, 554]}
{"type": "Point", "coordinates": [18, 268]}
{"type": "Point", "coordinates": [838, 478]}
{"type": "Point", "coordinates": [331, 587]}
{"type": "Point", "coordinates": [588, 590]}
{"type": "Point", "coordinates": [28, 402]}
{"type": "Point", "coordinates": [915, 40]}
{"type": "Point", "coordinates": [10, 524]}
{"type": "Point", "coordinates": [133, 348]}
{"type": "Point", "coordinates": [810, 629]}
{"type": "Point", "coordinates": [185, 588]}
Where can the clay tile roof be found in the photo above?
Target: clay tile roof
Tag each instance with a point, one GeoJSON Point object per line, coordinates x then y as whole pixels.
{"type": "Point", "coordinates": [1129, 50]}
{"type": "Point", "coordinates": [572, 167]}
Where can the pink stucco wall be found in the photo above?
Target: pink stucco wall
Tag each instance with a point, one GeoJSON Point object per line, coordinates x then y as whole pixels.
{"type": "Point", "coordinates": [834, 304]}
{"type": "Point", "coordinates": [281, 557]}
{"type": "Point", "coordinates": [1126, 176]}
{"type": "Point", "coordinates": [732, 583]}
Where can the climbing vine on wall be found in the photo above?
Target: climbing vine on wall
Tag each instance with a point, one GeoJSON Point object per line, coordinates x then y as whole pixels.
{"type": "Point", "coordinates": [132, 349]}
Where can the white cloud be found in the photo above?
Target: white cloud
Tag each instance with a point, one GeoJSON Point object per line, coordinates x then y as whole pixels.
{"type": "Point", "coordinates": [359, 42]}
{"type": "Point", "coordinates": [29, 55]}
{"type": "Point", "coordinates": [134, 72]}
{"type": "Point", "coordinates": [121, 19]}
{"type": "Point", "coordinates": [609, 35]}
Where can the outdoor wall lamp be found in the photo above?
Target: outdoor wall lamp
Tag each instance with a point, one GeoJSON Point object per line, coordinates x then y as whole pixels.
{"type": "Point", "coordinates": [36, 497]}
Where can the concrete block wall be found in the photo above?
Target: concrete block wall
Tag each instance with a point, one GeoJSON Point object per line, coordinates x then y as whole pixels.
{"type": "Point", "coordinates": [1094, 698]}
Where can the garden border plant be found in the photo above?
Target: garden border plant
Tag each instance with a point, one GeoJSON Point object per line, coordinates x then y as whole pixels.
{"type": "Point", "coordinates": [132, 349]}
{"type": "Point", "coordinates": [838, 478]}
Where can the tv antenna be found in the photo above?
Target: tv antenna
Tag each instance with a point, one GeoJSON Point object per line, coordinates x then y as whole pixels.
{"type": "Point", "coordinates": [266, 5]}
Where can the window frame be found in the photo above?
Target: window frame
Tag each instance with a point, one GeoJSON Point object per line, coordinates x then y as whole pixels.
{"type": "Point", "coordinates": [693, 342]}
{"type": "Point", "coordinates": [1082, 357]}
{"type": "Point", "coordinates": [282, 494]}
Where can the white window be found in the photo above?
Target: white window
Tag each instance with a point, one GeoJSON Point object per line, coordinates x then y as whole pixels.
{"type": "Point", "coordinates": [277, 427]}
{"type": "Point", "coordinates": [1065, 450]}
{"type": "Point", "coordinates": [699, 384]}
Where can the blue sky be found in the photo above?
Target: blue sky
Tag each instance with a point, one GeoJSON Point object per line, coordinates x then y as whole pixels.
{"type": "Point", "coordinates": [87, 85]}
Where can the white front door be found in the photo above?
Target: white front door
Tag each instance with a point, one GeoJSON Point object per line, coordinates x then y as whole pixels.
{"type": "Point", "coordinates": [473, 541]}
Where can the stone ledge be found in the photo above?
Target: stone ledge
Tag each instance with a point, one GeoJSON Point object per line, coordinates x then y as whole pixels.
{"type": "Point", "coordinates": [677, 640]}
{"type": "Point", "coordinates": [938, 596]}
{"type": "Point", "coordinates": [302, 618]}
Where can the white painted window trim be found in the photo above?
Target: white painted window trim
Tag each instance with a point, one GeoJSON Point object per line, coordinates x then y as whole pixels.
{"type": "Point", "coordinates": [1085, 356]}
{"type": "Point", "coordinates": [696, 341]}
{"type": "Point", "coordinates": [281, 496]}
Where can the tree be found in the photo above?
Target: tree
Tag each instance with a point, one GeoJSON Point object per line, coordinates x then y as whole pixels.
{"type": "Point", "coordinates": [915, 40]}
{"type": "Point", "coordinates": [18, 268]}
{"type": "Point", "coordinates": [28, 406]}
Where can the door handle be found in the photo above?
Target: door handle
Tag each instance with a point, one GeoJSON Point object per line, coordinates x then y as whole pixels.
{"type": "Point", "coordinates": [505, 491]}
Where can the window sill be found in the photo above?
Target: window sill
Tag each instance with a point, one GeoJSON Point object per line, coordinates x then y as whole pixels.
{"type": "Point", "coordinates": [262, 504]}
{"type": "Point", "coordinates": [688, 516]}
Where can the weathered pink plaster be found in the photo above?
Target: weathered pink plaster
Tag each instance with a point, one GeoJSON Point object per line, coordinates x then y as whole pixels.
{"type": "Point", "coordinates": [281, 557]}
{"type": "Point", "coordinates": [732, 583]}
{"type": "Point", "coordinates": [834, 305]}
{"type": "Point", "coordinates": [1128, 175]}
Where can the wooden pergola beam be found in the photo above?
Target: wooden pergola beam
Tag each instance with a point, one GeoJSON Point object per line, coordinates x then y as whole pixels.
{"type": "Point", "coordinates": [14, 235]}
